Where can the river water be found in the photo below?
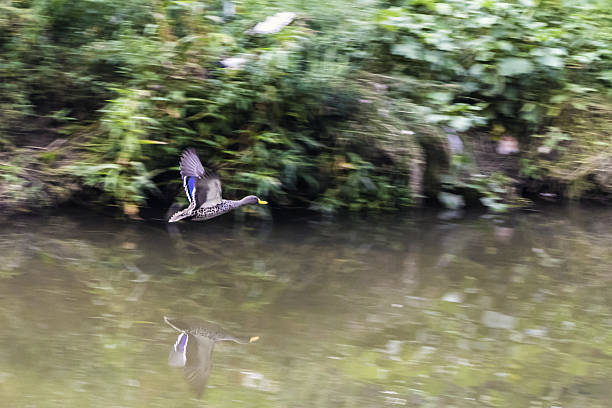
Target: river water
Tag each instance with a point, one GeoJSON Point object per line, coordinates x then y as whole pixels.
{"type": "Point", "coordinates": [389, 311]}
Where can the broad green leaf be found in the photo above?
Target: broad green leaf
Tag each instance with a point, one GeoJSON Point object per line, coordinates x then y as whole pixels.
{"type": "Point", "coordinates": [551, 61]}
{"type": "Point", "coordinates": [514, 66]}
{"type": "Point", "coordinates": [559, 98]}
{"type": "Point", "coordinates": [411, 50]}
{"type": "Point", "coordinates": [461, 123]}
{"type": "Point", "coordinates": [143, 141]}
{"type": "Point", "coordinates": [442, 98]}
{"type": "Point", "coordinates": [451, 201]}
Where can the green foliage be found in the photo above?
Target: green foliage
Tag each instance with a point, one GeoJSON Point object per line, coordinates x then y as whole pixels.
{"type": "Point", "coordinates": [509, 57]}
{"type": "Point", "coordinates": [329, 112]}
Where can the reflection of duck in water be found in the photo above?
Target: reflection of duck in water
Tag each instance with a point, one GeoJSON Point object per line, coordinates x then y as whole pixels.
{"type": "Point", "coordinates": [194, 346]}
{"type": "Point", "coordinates": [204, 192]}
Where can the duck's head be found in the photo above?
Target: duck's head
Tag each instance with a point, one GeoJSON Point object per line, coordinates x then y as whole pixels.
{"type": "Point", "coordinates": [253, 200]}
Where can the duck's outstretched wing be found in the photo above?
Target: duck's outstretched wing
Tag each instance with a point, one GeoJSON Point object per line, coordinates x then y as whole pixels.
{"type": "Point", "coordinates": [191, 164]}
{"type": "Point", "coordinates": [198, 363]}
{"type": "Point", "coordinates": [194, 354]}
{"type": "Point", "coordinates": [191, 171]}
{"type": "Point", "coordinates": [194, 347]}
{"type": "Point", "coordinates": [206, 329]}
{"type": "Point", "coordinates": [208, 191]}
{"type": "Point", "coordinates": [202, 188]}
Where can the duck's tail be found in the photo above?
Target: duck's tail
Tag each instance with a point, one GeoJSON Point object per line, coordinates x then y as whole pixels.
{"type": "Point", "coordinates": [174, 216]}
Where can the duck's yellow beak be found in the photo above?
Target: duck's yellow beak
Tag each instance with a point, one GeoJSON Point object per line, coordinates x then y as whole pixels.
{"type": "Point", "coordinates": [253, 339]}
{"type": "Point", "coordinates": [261, 201]}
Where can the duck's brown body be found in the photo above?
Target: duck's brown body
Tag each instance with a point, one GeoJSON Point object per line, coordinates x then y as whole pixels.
{"type": "Point", "coordinates": [204, 192]}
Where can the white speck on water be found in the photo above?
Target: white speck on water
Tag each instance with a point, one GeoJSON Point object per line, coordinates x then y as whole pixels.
{"type": "Point", "coordinates": [414, 301]}
{"type": "Point", "coordinates": [374, 318]}
{"type": "Point", "coordinates": [453, 297]}
{"type": "Point", "coordinates": [132, 382]}
{"type": "Point", "coordinates": [464, 362]}
{"type": "Point", "coordinates": [497, 320]}
{"type": "Point", "coordinates": [502, 375]}
{"type": "Point", "coordinates": [395, 401]}
{"type": "Point", "coordinates": [415, 298]}
{"type": "Point", "coordinates": [396, 305]}
{"type": "Point", "coordinates": [568, 325]}
{"type": "Point", "coordinates": [537, 332]}
{"type": "Point", "coordinates": [258, 381]}
{"type": "Point", "coordinates": [423, 352]}
{"type": "Point", "coordinates": [393, 347]}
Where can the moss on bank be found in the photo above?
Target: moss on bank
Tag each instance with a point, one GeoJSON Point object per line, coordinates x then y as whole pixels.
{"type": "Point", "coordinates": [575, 153]}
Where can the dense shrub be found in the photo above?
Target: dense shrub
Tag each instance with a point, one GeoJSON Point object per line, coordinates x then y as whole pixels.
{"type": "Point", "coordinates": [338, 110]}
{"type": "Point", "coordinates": [512, 62]}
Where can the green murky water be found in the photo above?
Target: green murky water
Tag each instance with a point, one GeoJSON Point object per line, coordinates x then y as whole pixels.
{"type": "Point", "coordinates": [399, 311]}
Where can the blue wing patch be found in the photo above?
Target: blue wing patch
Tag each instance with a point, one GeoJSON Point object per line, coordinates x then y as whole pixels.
{"type": "Point", "coordinates": [189, 184]}
{"type": "Point", "coordinates": [181, 343]}
{"type": "Point", "coordinates": [178, 353]}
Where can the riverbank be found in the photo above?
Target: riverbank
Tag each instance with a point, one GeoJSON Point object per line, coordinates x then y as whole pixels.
{"type": "Point", "coordinates": [459, 104]}
{"type": "Point", "coordinates": [556, 167]}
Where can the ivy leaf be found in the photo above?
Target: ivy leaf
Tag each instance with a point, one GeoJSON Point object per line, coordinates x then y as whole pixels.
{"type": "Point", "coordinates": [440, 98]}
{"type": "Point", "coordinates": [551, 61]}
{"type": "Point", "coordinates": [606, 76]}
{"type": "Point", "coordinates": [461, 123]}
{"type": "Point", "coordinates": [514, 66]}
{"type": "Point", "coordinates": [451, 201]}
{"type": "Point", "coordinates": [409, 49]}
